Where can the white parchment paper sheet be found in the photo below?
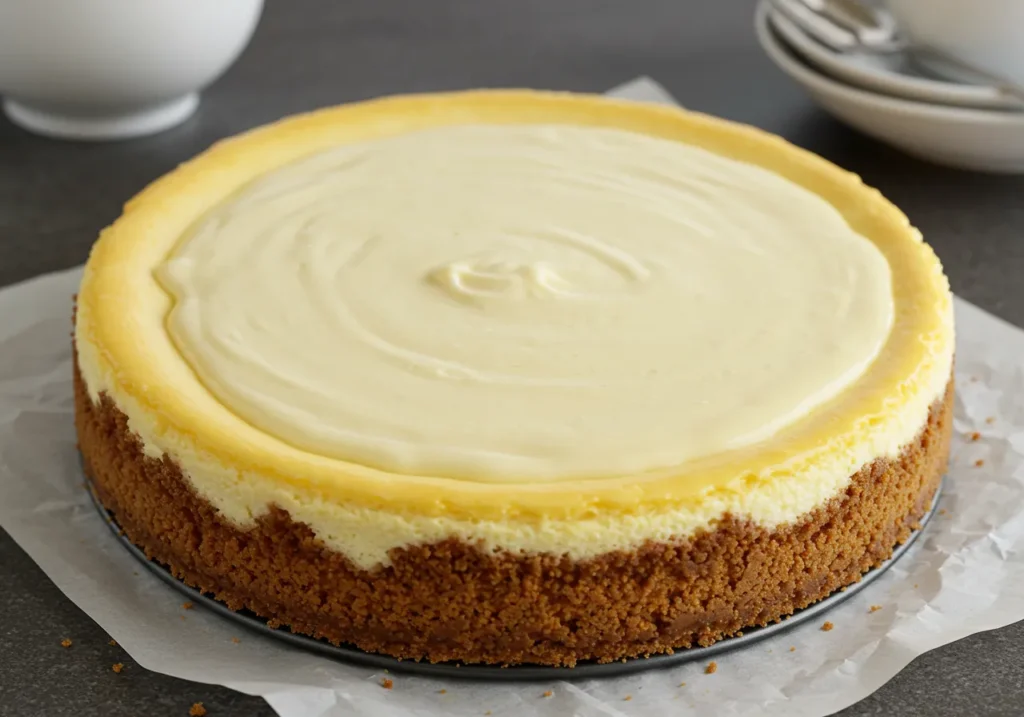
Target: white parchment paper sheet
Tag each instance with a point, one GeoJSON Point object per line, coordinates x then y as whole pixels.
{"type": "Point", "coordinates": [964, 576]}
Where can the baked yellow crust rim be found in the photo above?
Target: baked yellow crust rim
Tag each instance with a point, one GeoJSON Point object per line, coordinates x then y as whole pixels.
{"type": "Point", "coordinates": [125, 352]}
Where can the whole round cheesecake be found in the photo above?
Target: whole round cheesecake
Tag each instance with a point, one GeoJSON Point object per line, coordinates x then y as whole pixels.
{"type": "Point", "coordinates": [514, 377]}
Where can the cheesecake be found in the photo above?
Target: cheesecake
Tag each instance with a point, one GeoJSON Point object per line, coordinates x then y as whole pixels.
{"type": "Point", "coordinates": [513, 377]}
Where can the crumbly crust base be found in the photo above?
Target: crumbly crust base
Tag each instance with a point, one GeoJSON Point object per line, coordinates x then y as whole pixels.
{"type": "Point", "coordinates": [455, 601]}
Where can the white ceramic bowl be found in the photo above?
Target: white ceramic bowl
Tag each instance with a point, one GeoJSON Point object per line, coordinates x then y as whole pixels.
{"type": "Point", "coordinates": [109, 69]}
{"type": "Point", "coordinates": [985, 34]}
{"type": "Point", "coordinates": [893, 73]}
{"type": "Point", "coordinates": [984, 140]}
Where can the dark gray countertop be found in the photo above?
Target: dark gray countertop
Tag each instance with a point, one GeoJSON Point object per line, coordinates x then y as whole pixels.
{"type": "Point", "coordinates": [55, 196]}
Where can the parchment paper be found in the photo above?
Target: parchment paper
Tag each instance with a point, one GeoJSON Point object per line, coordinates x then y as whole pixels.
{"type": "Point", "coordinates": [965, 575]}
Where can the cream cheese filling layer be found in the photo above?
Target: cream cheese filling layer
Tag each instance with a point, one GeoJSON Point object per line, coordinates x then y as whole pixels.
{"type": "Point", "coordinates": [125, 351]}
{"type": "Point", "coordinates": [525, 303]}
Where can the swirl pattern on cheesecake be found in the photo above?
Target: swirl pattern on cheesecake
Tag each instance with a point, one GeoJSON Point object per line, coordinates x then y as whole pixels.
{"type": "Point", "coordinates": [512, 304]}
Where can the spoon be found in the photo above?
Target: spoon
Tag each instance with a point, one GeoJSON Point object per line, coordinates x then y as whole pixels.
{"type": "Point", "coordinates": [869, 24]}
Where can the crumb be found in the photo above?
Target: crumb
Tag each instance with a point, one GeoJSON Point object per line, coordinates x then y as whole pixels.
{"type": "Point", "coordinates": [442, 692]}
{"type": "Point", "coordinates": [711, 669]}
{"type": "Point", "coordinates": [117, 667]}
{"type": "Point", "coordinates": [975, 436]}
{"type": "Point", "coordinates": [135, 573]}
{"type": "Point", "coordinates": [235, 640]}
{"type": "Point", "coordinates": [186, 606]}
{"type": "Point", "coordinates": [547, 694]}
{"type": "Point", "coordinates": [682, 684]}
{"type": "Point", "coordinates": [112, 643]}
{"type": "Point", "coordinates": [197, 710]}
{"type": "Point", "coordinates": [875, 608]}
{"type": "Point", "coordinates": [942, 511]}
{"type": "Point", "coordinates": [990, 420]}
{"type": "Point", "coordinates": [827, 626]}
{"type": "Point", "coordinates": [627, 698]}
{"type": "Point", "coordinates": [487, 712]}
{"type": "Point", "coordinates": [181, 616]}
{"type": "Point", "coordinates": [792, 649]}
{"type": "Point", "coordinates": [385, 672]}
{"type": "Point", "coordinates": [979, 463]}
{"type": "Point", "coordinates": [66, 642]}
{"type": "Point", "coordinates": [915, 586]}
{"type": "Point", "coordinates": [974, 379]}
{"type": "Point", "coordinates": [387, 684]}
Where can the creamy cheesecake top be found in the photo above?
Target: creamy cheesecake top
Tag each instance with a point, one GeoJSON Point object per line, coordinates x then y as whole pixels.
{"type": "Point", "coordinates": [510, 303]}
{"type": "Point", "coordinates": [544, 321]}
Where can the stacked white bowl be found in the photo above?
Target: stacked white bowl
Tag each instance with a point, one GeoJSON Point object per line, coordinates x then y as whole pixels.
{"type": "Point", "coordinates": [942, 80]}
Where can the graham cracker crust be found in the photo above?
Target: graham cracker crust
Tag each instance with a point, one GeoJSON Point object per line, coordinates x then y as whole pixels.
{"type": "Point", "coordinates": [456, 601]}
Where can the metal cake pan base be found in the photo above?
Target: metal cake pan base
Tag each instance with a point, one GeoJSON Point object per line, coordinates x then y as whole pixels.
{"type": "Point", "coordinates": [582, 670]}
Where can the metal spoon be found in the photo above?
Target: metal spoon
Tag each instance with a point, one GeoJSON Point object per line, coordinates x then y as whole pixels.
{"type": "Point", "coordinates": [871, 25]}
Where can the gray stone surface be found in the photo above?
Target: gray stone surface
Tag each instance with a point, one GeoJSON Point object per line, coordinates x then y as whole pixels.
{"type": "Point", "coordinates": [55, 196]}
